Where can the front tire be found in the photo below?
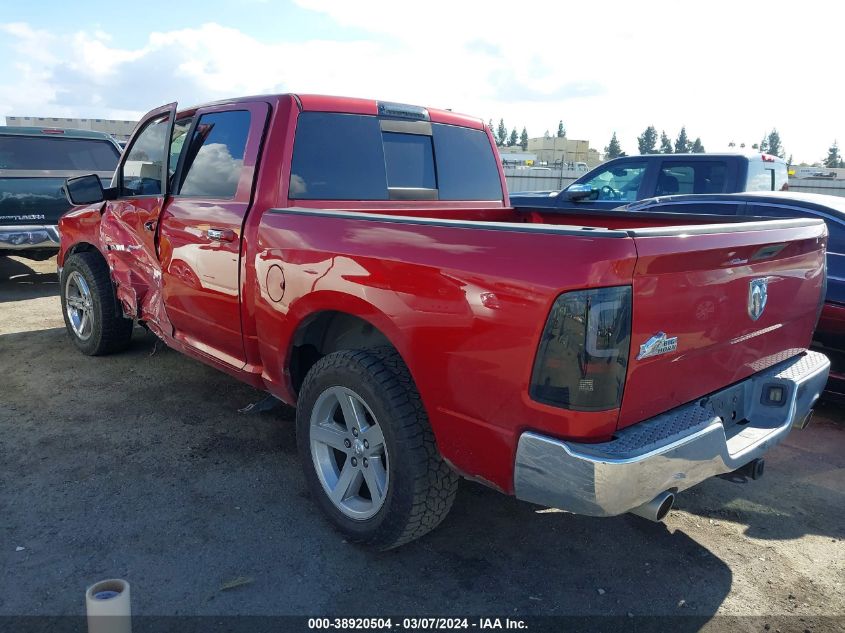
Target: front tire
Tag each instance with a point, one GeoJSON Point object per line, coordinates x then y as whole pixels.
{"type": "Point", "coordinates": [90, 307]}
{"type": "Point", "coordinates": [368, 452]}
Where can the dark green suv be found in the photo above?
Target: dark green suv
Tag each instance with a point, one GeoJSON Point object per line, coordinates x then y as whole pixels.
{"type": "Point", "coordinates": [34, 164]}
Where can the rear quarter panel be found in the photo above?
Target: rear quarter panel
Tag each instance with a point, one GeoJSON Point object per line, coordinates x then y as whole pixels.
{"type": "Point", "coordinates": [465, 306]}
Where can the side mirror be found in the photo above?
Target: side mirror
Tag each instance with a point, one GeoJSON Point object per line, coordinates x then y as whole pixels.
{"type": "Point", "coordinates": [86, 190]}
{"type": "Point", "coordinates": [574, 193]}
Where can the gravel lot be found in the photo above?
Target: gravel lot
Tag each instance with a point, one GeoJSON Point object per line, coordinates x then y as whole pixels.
{"type": "Point", "coordinates": [139, 466]}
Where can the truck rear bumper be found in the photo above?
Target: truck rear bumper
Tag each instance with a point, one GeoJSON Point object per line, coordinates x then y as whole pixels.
{"type": "Point", "coordinates": [17, 238]}
{"type": "Point", "coordinates": [675, 450]}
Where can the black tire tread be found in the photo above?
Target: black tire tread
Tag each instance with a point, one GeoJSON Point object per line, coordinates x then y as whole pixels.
{"type": "Point", "coordinates": [434, 484]}
{"type": "Point", "coordinates": [115, 330]}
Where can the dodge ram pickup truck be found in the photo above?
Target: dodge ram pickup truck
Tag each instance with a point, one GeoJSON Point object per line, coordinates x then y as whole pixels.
{"type": "Point", "coordinates": [360, 260]}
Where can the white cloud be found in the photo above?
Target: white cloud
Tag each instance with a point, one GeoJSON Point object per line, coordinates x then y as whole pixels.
{"type": "Point", "coordinates": [726, 70]}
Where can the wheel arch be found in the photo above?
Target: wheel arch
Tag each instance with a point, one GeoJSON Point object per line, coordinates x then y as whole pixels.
{"type": "Point", "coordinates": [328, 330]}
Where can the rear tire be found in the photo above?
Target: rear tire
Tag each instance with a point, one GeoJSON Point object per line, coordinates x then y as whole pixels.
{"type": "Point", "coordinates": [346, 398]}
{"type": "Point", "coordinates": [90, 307]}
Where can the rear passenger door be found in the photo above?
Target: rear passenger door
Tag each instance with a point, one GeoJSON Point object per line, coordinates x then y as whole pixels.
{"type": "Point", "coordinates": [201, 227]}
{"type": "Point", "coordinates": [679, 176]}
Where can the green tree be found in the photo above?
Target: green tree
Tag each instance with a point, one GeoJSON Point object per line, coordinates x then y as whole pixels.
{"type": "Point", "coordinates": [561, 131]}
{"type": "Point", "coordinates": [514, 139]}
{"type": "Point", "coordinates": [647, 141]}
{"type": "Point", "coordinates": [774, 144]}
{"type": "Point", "coordinates": [502, 133]}
{"type": "Point", "coordinates": [682, 144]}
{"type": "Point", "coordinates": [613, 149]}
{"type": "Point", "coordinates": [834, 157]}
{"type": "Point", "coordinates": [697, 147]}
{"type": "Point", "coordinates": [763, 146]}
{"type": "Point", "coordinates": [523, 139]}
{"type": "Point", "coordinates": [546, 134]}
{"type": "Point", "coordinates": [665, 143]}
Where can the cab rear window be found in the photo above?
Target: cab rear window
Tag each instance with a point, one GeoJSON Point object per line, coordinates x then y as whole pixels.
{"type": "Point", "coordinates": [355, 157]}
{"type": "Point", "coordinates": [56, 153]}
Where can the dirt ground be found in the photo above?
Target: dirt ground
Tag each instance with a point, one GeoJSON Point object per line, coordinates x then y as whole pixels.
{"type": "Point", "coordinates": [139, 466]}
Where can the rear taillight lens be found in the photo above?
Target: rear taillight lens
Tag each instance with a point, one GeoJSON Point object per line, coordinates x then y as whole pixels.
{"type": "Point", "coordinates": [583, 354]}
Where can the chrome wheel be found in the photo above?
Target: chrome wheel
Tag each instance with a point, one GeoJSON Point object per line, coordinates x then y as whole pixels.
{"type": "Point", "coordinates": [79, 305]}
{"type": "Point", "coordinates": [350, 457]}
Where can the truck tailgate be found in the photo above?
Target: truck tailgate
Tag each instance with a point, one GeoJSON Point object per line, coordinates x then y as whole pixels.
{"type": "Point", "coordinates": [737, 298]}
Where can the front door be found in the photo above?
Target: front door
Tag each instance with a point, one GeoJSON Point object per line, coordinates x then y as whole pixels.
{"type": "Point", "coordinates": [620, 183]}
{"type": "Point", "coordinates": [128, 224]}
{"type": "Point", "coordinates": [202, 225]}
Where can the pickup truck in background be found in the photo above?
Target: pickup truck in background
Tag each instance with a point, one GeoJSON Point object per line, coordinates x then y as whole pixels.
{"type": "Point", "coordinates": [360, 260]}
{"type": "Point", "coordinates": [34, 164]}
{"type": "Point", "coordinates": [632, 178]}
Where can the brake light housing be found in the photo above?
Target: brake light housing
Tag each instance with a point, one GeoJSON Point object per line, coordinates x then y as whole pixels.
{"type": "Point", "coordinates": [582, 358]}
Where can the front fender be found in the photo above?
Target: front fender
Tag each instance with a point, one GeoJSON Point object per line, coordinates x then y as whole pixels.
{"type": "Point", "coordinates": [77, 226]}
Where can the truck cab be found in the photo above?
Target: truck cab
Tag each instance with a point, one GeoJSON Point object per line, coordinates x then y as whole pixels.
{"type": "Point", "coordinates": [631, 178]}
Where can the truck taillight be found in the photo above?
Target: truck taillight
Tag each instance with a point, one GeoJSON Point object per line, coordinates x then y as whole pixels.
{"type": "Point", "coordinates": [583, 354]}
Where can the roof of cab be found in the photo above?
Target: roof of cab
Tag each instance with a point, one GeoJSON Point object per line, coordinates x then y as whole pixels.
{"type": "Point", "coordinates": [55, 132]}
{"type": "Point", "coordinates": [347, 105]}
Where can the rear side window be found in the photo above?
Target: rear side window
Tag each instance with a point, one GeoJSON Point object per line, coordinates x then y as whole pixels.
{"type": "Point", "coordinates": [766, 176]}
{"type": "Point", "coordinates": [215, 155]}
{"type": "Point", "coordinates": [66, 154]}
{"type": "Point", "coordinates": [697, 177]}
{"type": "Point", "coordinates": [355, 157]}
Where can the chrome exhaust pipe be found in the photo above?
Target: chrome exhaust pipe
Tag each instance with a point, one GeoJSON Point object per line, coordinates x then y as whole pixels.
{"type": "Point", "coordinates": [656, 509]}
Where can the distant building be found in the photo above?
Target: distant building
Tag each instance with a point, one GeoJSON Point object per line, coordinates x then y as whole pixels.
{"type": "Point", "coordinates": [515, 155]}
{"type": "Point", "coordinates": [120, 130]}
{"type": "Point", "coordinates": [560, 148]}
{"type": "Point", "coordinates": [818, 173]}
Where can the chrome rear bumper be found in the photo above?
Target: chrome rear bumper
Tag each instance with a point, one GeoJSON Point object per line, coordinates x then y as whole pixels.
{"type": "Point", "coordinates": [17, 238]}
{"type": "Point", "coordinates": [672, 451]}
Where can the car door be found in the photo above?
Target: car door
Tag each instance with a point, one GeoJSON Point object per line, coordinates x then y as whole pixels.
{"type": "Point", "coordinates": [202, 226]}
{"type": "Point", "coordinates": [128, 223]}
{"type": "Point", "coordinates": [616, 184]}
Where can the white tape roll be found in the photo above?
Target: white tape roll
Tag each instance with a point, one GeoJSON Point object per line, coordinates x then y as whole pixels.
{"type": "Point", "coordinates": [108, 607]}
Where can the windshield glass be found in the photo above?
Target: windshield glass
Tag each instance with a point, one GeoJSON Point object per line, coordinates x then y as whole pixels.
{"type": "Point", "coordinates": [57, 153]}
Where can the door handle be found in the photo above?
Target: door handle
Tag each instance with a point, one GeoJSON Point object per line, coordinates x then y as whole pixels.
{"type": "Point", "coordinates": [221, 235]}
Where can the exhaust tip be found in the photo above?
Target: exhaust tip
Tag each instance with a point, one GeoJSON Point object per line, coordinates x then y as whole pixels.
{"type": "Point", "coordinates": [656, 509]}
{"type": "Point", "coordinates": [665, 506]}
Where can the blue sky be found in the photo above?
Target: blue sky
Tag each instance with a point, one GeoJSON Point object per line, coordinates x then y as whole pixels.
{"type": "Point", "coordinates": [728, 71]}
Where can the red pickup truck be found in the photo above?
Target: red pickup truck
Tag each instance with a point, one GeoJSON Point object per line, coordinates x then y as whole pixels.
{"type": "Point", "coordinates": [360, 260]}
